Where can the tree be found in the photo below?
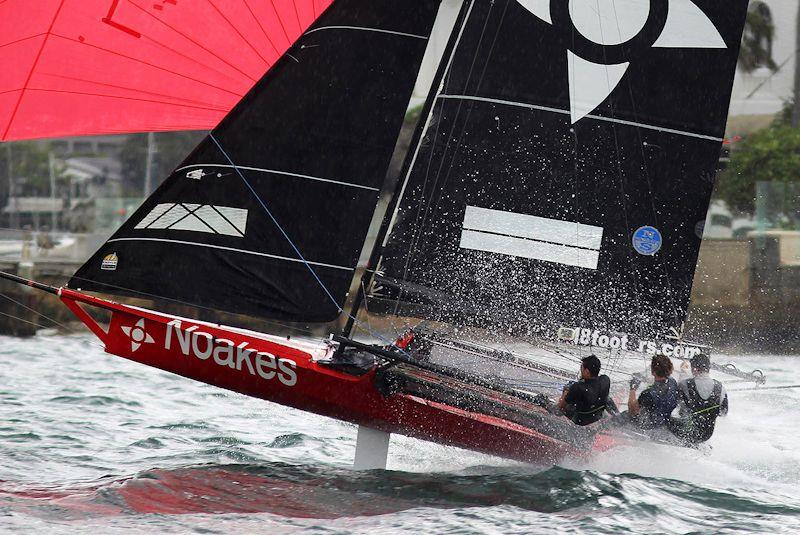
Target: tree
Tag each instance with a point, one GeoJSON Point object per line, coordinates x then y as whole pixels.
{"type": "Point", "coordinates": [770, 155]}
{"type": "Point", "coordinates": [29, 168]}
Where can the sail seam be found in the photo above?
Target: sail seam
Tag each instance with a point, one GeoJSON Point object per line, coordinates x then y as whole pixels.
{"type": "Point", "coordinates": [566, 112]}
{"type": "Point", "coordinates": [233, 249]}
{"type": "Point", "coordinates": [365, 29]}
{"type": "Point", "coordinates": [276, 172]}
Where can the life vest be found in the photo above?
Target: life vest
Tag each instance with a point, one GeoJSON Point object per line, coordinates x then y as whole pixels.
{"type": "Point", "coordinates": [664, 395]}
{"type": "Point", "coordinates": [703, 413]}
{"type": "Point", "coordinates": [592, 396]}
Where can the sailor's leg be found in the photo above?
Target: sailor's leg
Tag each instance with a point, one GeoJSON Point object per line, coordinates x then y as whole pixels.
{"type": "Point", "coordinates": [372, 449]}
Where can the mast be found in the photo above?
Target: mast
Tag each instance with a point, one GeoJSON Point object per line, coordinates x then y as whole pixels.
{"type": "Point", "coordinates": [427, 112]}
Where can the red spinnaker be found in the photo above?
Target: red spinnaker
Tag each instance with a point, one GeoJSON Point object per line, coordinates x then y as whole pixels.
{"type": "Point", "coordinates": [82, 67]}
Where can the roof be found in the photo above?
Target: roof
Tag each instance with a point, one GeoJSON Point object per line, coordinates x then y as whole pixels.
{"type": "Point", "coordinates": [33, 205]}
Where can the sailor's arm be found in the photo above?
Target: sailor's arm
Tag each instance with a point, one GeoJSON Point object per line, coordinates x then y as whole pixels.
{"type": "Point", "coordinates": [568, 395]}
{"type": "Point", "coordinates": [723, 406]}
{"type": "Point", "coordinates": [633, 403]}
{"type": "Point", "coordinates": [562, 402]}
{"type": "Point", "coordinates": [611, 406]}
{"type": "Point", "coordinates": [683, 409]}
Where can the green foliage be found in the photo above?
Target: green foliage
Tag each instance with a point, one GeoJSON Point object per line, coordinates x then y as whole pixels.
{"type": "Point", "coordinates": [771, 155]}
{"type": "Point", "coordinates": [784, 117]}
{"type": "Point", "coordinates": [30, 168]}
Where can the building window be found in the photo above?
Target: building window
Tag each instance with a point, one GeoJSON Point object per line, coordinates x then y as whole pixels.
{"type": "Point", "coordinates": [759, 32]}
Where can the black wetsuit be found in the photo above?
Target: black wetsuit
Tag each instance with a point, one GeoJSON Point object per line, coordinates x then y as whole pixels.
{"type": "Point", "coordinates": [587, 399]}
{"type": "Point", "coordinates": [656, 404]}
{"type": "Point", "coordinates": [698, 425]}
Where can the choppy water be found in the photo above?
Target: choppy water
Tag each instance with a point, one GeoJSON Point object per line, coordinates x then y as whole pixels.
{"type": "Point", "coordinates": [93, 443]}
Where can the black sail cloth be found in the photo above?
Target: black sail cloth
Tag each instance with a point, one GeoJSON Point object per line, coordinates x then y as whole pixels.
{"type": "Point", "coordinates": [313, 140]}
{"type": "Point", "coordinates": [562, 182]}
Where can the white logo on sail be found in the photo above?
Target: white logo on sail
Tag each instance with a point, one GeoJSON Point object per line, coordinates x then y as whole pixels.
{"type": "Point", "coordinates": [196, 218]}
{"type": "Point", "coordinates": [138, 335]}
{"type": "Point", "coordinates": [614, 22]}
{"type": "Point", "coordinates": [527, 236]}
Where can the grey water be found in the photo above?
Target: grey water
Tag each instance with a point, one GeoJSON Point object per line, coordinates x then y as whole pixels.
{"type": "Point", "coordinates": [91, 443]}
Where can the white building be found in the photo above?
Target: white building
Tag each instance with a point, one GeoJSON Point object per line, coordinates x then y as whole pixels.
{"type": "Point", "coordinates": [764, 91]}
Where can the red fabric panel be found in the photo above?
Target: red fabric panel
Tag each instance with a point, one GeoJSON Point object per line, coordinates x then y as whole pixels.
{"type": "Point", "coordinates": [81, 67]}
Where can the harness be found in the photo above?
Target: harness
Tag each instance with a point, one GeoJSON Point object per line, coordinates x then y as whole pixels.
{"type": "Point", "coordinates": [596, 406]}
{"type": "Point", "coordinates": [703, 409]}
{"type": "Point", "coordinates": [703, 413]}
{"type": "Point", "coordinates": [593, 411]}
{"type": "Point", "coordinates": [666, 398]}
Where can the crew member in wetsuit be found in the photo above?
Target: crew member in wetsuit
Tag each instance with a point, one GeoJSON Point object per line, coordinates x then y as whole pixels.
{"type": "Point", "coordinates": [584, 401]}
{"type": "Point", "coordinates": [702, 400]}
{"type": "Point", "coordinates": [655, 404]}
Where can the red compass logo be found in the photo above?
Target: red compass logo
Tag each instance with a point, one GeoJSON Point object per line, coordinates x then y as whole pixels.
{"type": "Point", "coordinates": [138, 335]}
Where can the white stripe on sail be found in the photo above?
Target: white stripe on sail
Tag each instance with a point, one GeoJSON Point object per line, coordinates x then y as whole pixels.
{"type": "Point", "coordinates": [235, 250]}
{"type": "Point", "coordinates": [533, 227]}
{"type": "Point", "coordinates": [567, 112]}
{"type": "Point", "coordinates": [361, 28]}
{"type": "Point", "coordinates": [271, 171]}
{"type": "Point", "coordinates": [525, 248]}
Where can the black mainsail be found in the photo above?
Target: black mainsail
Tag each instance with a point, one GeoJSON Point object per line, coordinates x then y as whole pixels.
{"type": "Point", "coordinates": [566, 163]}
{"type": "Point", "coordinates": [282, 192]}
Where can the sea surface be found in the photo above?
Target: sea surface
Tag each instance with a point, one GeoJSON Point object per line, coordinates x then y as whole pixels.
{"type": "Point", "coordinates": [91, 443]}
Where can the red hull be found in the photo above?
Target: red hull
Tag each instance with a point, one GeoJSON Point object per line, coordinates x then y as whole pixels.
{"type": "Point", "coordinates": [284, 371]}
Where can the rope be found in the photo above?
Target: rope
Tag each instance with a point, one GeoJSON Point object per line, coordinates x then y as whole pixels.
{"type": "Point", "coordinates": [759, 389]}
{"type": "Point", "coordinates": [45, 316]}
{"type": "Point", "coordinates": [278, 225]}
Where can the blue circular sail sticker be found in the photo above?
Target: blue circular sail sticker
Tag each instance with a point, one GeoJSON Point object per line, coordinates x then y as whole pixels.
{"type": "Point", "coordinates": [647, 240]}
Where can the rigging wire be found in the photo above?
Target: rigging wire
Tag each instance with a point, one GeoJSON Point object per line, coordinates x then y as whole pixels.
{"type": "Point", "coordinates": [645, 168]}
{"type": "Point", "coordinates": [43, 315]}
{"type": "Point", "coordinates": [278, 225]}
{"type": "Point", "coordinates": [466, 120]}
{"type": "Point", "coordinates": [40, 326]}
{"type": "Point", "coordinates": [292, 243]}
{"type": "Point", "coordinates": [621, 179]}
{"type": "Point", "coordinates": [23, 320]}
{"type": "Point", "coordinates": [760, 388]}
{"type": "Point", "coordinates": [421, 218]}
{"type": "Point", "coordinates": [70, 330]}
{"type": "Point", "coordinates": [418, 233]}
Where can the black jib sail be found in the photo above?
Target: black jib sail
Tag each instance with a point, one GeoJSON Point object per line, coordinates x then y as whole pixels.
{"type": "Point", "coordinates": [567, 165]}
{"type": "Point", "coordinates": [268, 215]}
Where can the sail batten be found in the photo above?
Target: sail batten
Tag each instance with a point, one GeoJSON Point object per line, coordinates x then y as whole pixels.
{"type": "Point", "coordinates": [646, 126]}
{"type": "Point", "coordinates": [268, 215]}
